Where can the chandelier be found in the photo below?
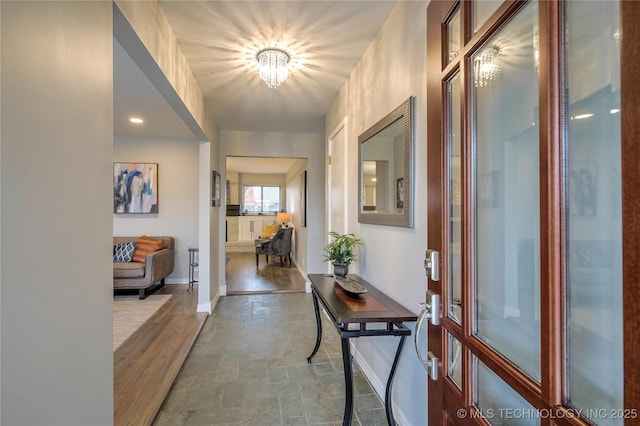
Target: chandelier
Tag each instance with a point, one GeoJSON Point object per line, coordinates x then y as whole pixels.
{"type": "Point", "coordinates": [273, 66]}
{"type": "Point", "coordinates": [485, 67]}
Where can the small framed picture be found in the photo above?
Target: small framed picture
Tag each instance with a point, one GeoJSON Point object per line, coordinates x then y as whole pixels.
{"type": "Point", "coordinates": [400, 193]}
{"type": "Point", "coordinates": [303, 198]}
{"type": "Point", "coordinates": [216, 189]}
{"type": "Point", "coordinates": [583, 188]}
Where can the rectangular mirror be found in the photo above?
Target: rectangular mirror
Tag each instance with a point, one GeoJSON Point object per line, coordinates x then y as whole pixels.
{"type": "Point", "coordinates": [385, 169]}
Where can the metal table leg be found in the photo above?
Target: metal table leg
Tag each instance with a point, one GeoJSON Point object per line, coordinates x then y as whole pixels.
{"type": "Point", "coordinates": [192, 266]}
{"type": "Point", "coordinates": [387, 394]}
{"type": "Point", "coordinates": [348, 382]}
{"type": "Point", "coordinates": [316, 308]}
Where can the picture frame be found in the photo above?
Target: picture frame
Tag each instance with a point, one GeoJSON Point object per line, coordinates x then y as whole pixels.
{"type": "Point", "coordinates": [400, 193]}
{"type": "Point", "coordinates": [216, 189]}
{"type": "Point", "coordinates": [487, 187]}
{"type": "Point", "coordinates": [303, 198]}
{"type": "Point", "coordinates": [135, 188]}
{"type": "Point", "coordinates": [583, 188]}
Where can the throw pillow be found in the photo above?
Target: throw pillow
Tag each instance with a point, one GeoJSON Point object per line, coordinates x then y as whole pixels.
{"type": "Point", "coordinates": [123, 252]}
{"type": "Point", "coordinates": [145, 246]}
{"type": "Point", "coordinates": [269, 231]}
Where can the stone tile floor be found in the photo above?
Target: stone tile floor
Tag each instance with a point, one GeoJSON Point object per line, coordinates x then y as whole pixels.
{"type": "Point", "coordinates": [248, 367]}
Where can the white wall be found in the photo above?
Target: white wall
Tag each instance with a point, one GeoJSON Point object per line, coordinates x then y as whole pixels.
{"type": "Point", "coordinates": [177, 195]}
{"type": "Point", "coordinates": [56, 274]}
{"type": "Point", "coordinates": [291, 145]}
{"type": "Point", "coordinates": [392, 69]}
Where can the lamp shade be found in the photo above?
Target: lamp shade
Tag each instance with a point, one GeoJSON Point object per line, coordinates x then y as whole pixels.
{"type": "Point", "coordinates": [283, 217]}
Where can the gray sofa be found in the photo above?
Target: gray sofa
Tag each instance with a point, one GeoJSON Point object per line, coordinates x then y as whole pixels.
{"type": "Point", "coordinates": [141, 276]}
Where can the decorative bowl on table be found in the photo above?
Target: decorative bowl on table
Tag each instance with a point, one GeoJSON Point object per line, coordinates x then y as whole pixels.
{"type": "Point", "coordinates": [350, 286]}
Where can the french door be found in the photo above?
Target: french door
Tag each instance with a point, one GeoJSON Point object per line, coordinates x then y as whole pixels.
{"type": "Point", "coordinates": [533, 198]}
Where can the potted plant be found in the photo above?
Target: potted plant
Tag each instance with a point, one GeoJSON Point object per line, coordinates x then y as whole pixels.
{"type": "Point", "coordinates": [340, 252]}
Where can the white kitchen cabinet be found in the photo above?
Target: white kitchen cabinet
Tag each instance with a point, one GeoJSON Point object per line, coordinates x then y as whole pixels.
{"type": "Point", "coordinates": [250, 227]}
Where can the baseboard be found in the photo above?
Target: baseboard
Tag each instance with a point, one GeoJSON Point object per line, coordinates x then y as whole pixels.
{"type": "Point", "coordinates": [209, 306]}
{"type": "Point", "coordinates": [377, 385]}
{"type": "Point", "coordinates": [205, 307]}
{"type": "Point", "coordinates": [176, 281]}
{"type": "Point", "coordinates": [223, 290]}
{"type": "Point", "coordinates": [307, 283]}
{"type": "Point", "coordinates": [215, 301]}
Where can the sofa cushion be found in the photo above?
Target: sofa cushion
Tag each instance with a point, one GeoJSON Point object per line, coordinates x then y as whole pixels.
{"type": "Point", "coordinates": [145, 246]}
{"type": "Point", "coordinates": [128, 270]}
{"type": "Point", "coordinates": [123, 252]}
{"type": "Point", "coordinates": [167, 242]}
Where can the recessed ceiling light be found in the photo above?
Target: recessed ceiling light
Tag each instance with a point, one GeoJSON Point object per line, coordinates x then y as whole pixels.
{"type": "Point", "coordinates": [614, 110]}
{"type": "Point", "coordinates": [136, 120]}
{"type": "Point", "coordinates": [583, 116]}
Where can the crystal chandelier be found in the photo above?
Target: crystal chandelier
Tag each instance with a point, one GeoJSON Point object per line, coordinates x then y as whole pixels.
{"type": "Point", "coordinates": [485, 67]}
{"type": "Point", "coordinates": [273, 66]}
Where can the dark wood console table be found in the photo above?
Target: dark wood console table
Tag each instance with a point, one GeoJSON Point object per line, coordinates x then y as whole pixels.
{"type": "Point", "coordinates": [345, 309]}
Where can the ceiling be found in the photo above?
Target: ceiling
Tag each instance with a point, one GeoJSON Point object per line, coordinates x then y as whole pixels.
{"type": "Point", "coordinates": [135, 96]}
{"type": "Point", "coordinates": [219, 39]}
{"type": "Point", "coordinates": [260, 165]}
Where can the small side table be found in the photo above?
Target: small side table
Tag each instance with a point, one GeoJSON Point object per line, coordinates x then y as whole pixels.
{"type": "Point", "coordinates": [344, 309]}
{"type": "Point", "coordinates": [193, 264]}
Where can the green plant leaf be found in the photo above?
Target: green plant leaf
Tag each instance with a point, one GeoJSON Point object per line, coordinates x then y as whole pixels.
{"type": "Point", "coordinates": [341, 248]}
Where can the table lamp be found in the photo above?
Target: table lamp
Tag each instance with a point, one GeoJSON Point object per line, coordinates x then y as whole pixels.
{"type": "Point", "coordinates": [284, 218]}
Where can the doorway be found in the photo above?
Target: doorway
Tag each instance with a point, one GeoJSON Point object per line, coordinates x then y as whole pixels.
{"type": "Point", "coordinates": [336, 176]}
{"type": "Point", "coordinates": [257, 190]}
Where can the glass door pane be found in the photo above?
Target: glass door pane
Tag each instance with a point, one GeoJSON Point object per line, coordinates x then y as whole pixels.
{"type": "Point", "coordinates": [507, 222]}
{"type": "Point", "coordinates": [482, 10]}
{"type": "Point", "coordinates": [594, 339]}
{"type": "Point", "coordinates": [454, 134]}
{"type": "Point", "coordinates": [499, 403]}
{"type": "Point", "coordinates": [453, 35]}
{"type": "Point", "coordinates": [454, 360]}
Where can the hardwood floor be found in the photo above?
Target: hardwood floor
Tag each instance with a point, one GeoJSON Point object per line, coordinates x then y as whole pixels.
{"type": "Point", "coordinates": [243, 277]}
{"type": "Point", "coordinates": [146, 364]}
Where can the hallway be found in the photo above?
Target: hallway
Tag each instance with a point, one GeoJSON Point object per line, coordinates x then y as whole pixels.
{"type": "Point", "coordinates": [248, 367]}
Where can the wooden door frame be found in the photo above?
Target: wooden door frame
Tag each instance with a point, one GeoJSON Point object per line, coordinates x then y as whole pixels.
{"type": "Point", "coordinates": [630, 103]}
{"type": "Point", "coordinates": [552, 226]}
{"type": "Point", "coordinates": [435, 123]}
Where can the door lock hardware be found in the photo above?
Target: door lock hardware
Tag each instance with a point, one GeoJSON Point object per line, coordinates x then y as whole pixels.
{"type": "Point", "coordinates": [431, 308]}
{"type": "Point", "coordinates": [430, 363]}
{"type": "Point", "coordinates": [430, 311]}
{"type": "Point", "coordinates": [431, 264]}
{"type": "Point", "coordinates": [431, 366]}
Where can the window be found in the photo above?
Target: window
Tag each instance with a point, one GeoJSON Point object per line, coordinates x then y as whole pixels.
{"type": "Point", "coordinates": [261, 199]}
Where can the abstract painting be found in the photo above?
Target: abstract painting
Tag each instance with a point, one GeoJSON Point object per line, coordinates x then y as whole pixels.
{"type": "Point", "coordinates": [216, 189]}
{"type": "Point", "coordinates": [135, 187]}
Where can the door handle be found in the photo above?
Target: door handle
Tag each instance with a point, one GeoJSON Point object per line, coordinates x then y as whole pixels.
{"type": "Point", "coordinates": [430, 311]}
